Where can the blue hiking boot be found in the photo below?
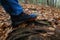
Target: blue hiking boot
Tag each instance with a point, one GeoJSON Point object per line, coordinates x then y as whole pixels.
{"type": "Point", "coordinates": [18, 19]}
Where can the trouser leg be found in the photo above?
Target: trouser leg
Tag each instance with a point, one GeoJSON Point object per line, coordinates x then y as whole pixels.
{"type": "Point", "coordinates": [12, 6]}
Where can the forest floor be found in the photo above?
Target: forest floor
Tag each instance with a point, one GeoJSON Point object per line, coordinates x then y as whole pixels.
{"type": "Point", "coordinates": [48, 29]}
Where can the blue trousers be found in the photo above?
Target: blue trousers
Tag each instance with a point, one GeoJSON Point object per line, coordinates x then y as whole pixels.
{"type": "Point", "coordinates": [12, 6]}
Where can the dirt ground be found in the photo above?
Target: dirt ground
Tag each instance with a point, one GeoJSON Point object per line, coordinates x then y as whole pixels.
{"type": "Point", "coordinates": [48, 29]}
